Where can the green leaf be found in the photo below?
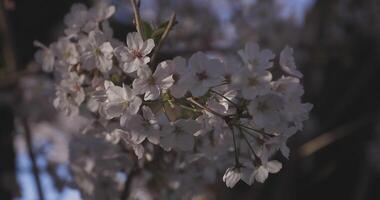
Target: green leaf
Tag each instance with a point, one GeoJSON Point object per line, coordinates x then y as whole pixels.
{"type": "Point", "coordinates": [159, 31]}
{"type": "Point", "coordinates": [147, 30]}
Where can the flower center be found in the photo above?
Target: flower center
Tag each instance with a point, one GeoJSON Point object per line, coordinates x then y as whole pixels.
{"type": "Point", "coordinates": [137, 54]}
{"type": "Point", "coordinates": [98, 52]}
{"type": "Point", "coordinates": [253, 81]}
{"type": "Point", "coordinates": [125, 104]}
{"type": "Point", "coordinates": [176, 77]}
{"type": "Point", "coordinates": [151, 81]}
{"type": "Point", "coordinates": [227, 78]}
{"type": "Point", "coordinates": [254, 62]}
{"type": "Point", "coordinates": [202, 75]}
{"type": "Point", "coordinates": [178, 130]}
{"type": "Point", "coordinates": [76, 88]}
{"type": "Point", "coordinates": [262, 107]}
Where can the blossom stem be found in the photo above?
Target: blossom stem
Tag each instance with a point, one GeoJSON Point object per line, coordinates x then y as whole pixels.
{"type": "Point", "coordinates": [246, 140]}
{"type": "Point", "coordinates": [163, 37]}
{"type": "Point", "coordinates": [218, 85]}
{"type": "Point", "coordinates": [137, 17]}
{"type": "Point", "coordinates": [205, 108]}
{"type": "Point", "coordinates": [188, 108]}
{"type": "Point", "coordinates": [237, 163]}
{"type": "Point", "coordinates": [224, 97]}
{"type": "Point", "coordinates": [249, 133]}
{"type": "Point", "coordinates": [262, 132]}
{"type": "Point", "coordinates": [253, 134]}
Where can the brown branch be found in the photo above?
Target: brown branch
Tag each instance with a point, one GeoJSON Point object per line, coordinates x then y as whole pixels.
{"type": "Point", "coordinates": [35, 169]}
{"type": "Point", "coordinates": [137, 16]}
{"type": "Point", "coordinates": [162, 39]}
{"type": "Point", "coordinates": [330, 137]}
{"type": "Point", "coordinates": [193, 101]}
{"type": "Point", "coordinates": [128, 182]}
{"type": "Point", "coordinates": [10, 78]}
{"type": "Point", "coordinates": [7, 40]}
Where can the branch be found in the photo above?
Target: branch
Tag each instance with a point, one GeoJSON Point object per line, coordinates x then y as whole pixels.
{"type": "Point", "coordinates": [128, 183]}
{"type": "Point", "coordinates": [163, 37]}
{"type": "Point", "coordinates": [8, 47]}
{"type": "Point", "coordinates": [136, 13]}
{"type": "Point", "coordinates": [329, 137]}
{"type": "Point", "coordinates": [35, 169]}
{"type": "Point", "coordinates": [190, 99]}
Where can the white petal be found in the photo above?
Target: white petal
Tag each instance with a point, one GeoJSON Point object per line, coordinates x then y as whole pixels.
{"type": "Point", "coordinates": [152, 94]}
{"type": "Point", "coordinates": [273, 166]}
{"type": "Point", "coordinates": [185, 142]}
{"type": "Point", "coordinates": [260, 174]}
{"type": "Point", "coordinates": [148, 46]}
{"type": "Point", "coordinates": [134, 105]}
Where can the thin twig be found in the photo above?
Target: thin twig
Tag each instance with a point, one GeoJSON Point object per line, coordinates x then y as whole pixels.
{"type": "Point", "coordinates": [246, 140]}
{"type": "Point", "coordinates": [163, 37]}
{"type": "Point", "coordinates": [35, 169]}
{"type": "Point", "coordinates": [262, 132]}
{"type": "Point", "coordinates": [190, 99]}
{"type": "Point", "coordinates": [224, 97]}
{"type": "Point", "coordinates": [330, 137]}
{"type": "Point", "coordinates": [136, 13]}
{"type": "Point", "coordinates": [237, 163]}
{"type": "Point", "coordinates": [10, 78]}
{"type": "Point", "coordinates": [253, 134]}
{"type": "Point", "coordinates": [128, 182]}
{"type": "Point", "coordinates": [8, 46]}
{"type": "Point", "coordinates": [189, 108]}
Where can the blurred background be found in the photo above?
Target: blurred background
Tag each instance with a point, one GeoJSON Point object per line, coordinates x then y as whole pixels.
{"type": "Point", "coordinates": [337, 47]}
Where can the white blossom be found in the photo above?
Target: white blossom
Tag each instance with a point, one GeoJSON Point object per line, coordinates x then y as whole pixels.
{"type": "Point", "coordinates": [205, 72]}
{"type": "Point", "coordinates": [179, 135]}
{"type": "Point", "coordinates": [179, 71]}
{"type": "Point", "coordinates": [45, 56]}
{"type": "Point", "coordinates": [76, 19]}
{"type": "Point", "coordinates": [288, 86]}
{"type": "Point", "coordinates": [97, 52]}
{"type": "Point", "coordinates": [232, 176]}
{"type": "Point", "coordinates": [135, 55]}
{"type": "Point", "coordinates": [287, 62]}
{"type": "Point", "coordinates": [257, 61]}
{"type": "Point", "coordinates": [126, 137]}
{"type": "Point", "coordinates": [70, 94]}
{"type": "Point", "coordinates": [66, 51]}
{"type": "Point", "coordinates": [121, 102]}
{"type": "Point", "coordinates": [151, 85]}
{"type": "Point", "coordinates": [144, 127]}
{"type": "Point", "coordinates": [267, 111]}
{"type": "Point", "coordinates": [261, 173]}
{"type": "Point", "coordinates": [252, 83]}
{"type": "Point", "coordinates": [200, 108]}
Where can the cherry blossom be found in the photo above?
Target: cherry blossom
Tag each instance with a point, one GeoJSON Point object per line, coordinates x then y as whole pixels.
{"type": "Point", "coordinates": [207, 112]}
{"type": "Point", "coordinates": [45, 57]}
{"type": "Point", "coordinates": [121, 102]}
{"type": "Point", "coordinates": [135, 55]}
{"type": "Point", "coordinates": [97, 52]}
{"type": "Point", "coordinates": [287, 62]}
{"type": "Point", "coordinates": [232, 176]}
{"type": "Point", "coordinates": [255, 59]}
{"type": "Point", "coordinates": [151, 85]}
{"type": "Point", "coordinates": [205, 73]}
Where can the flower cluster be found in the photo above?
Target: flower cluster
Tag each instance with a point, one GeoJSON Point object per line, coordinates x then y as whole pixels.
{"type": "Point", "coordinates": [213, 108]}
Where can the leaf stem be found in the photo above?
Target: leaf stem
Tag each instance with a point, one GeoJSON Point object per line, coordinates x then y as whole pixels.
{"type": "Point", "coordinates": [237, 163]}
{"type": "Point", "coordinates": [224, 97]}
{"type": "Point", "coordinates": [163, 37]}
{"type": "Point", "coordinates": [137, 17]}
{"type": "Point", "coordinates": [190, 99]}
